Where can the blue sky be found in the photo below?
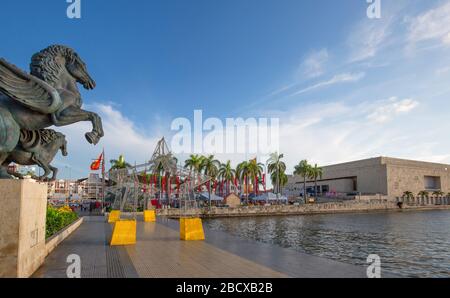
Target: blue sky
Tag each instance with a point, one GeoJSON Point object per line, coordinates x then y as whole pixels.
{"type": "Point", "coordinates": [344, 86]}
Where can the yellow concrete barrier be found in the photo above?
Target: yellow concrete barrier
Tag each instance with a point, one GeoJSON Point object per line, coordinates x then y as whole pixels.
{"type": "Point", "coordinates": [124, 233]}
{"type": "Point", "coordinates": [114, 216]}
{"type": "Point", "coordinates": [191, 229]}
{"type": "Point", "coordinates": [149, 215]}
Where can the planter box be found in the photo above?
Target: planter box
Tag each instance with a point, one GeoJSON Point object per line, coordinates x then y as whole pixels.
{"type": "Point", "coordinates": [59, 237]}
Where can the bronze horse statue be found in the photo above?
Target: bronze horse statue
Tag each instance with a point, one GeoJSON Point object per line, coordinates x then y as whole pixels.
{"type": "Point", "coordinates": [47, 96]}
{"type": "Point", "coordinates": [38, 147]}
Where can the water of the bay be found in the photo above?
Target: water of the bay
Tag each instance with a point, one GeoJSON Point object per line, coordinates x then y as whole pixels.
{"type": "Point", "coordinates": [410, 244]}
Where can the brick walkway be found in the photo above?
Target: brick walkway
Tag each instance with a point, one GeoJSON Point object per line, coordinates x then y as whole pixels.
{"type": "Point", "coordinates": [160, 253]}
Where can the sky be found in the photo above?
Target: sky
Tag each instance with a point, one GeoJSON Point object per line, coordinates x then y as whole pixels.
{"type": "Point", "coordinates": [344, 86]}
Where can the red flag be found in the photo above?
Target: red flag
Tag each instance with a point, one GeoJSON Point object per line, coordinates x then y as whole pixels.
{"type": "Point", "coordinates": [95, 166]}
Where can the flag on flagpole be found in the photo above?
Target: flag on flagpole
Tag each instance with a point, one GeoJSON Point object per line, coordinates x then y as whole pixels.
{"type": "Point", "coordinates": [95, 166]}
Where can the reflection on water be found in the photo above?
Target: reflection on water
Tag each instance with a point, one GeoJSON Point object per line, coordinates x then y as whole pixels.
{"type": "Point", "coordinates": [411, 244]}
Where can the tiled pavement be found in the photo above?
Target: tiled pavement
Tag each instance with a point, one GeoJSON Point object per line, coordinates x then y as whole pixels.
{"type": "Point", "coordinates": [160, 253]}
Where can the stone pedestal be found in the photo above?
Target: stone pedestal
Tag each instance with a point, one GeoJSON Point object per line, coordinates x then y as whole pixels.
{"type": "Point", "coordinates": [23, 205]}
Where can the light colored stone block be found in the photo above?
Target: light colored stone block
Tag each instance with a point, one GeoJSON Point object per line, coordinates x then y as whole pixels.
{"type": "Point", "coordinates": [23, 205]}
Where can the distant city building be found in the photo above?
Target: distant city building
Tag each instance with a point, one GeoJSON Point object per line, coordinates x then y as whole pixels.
{"type": "Point", "coordinates": [75, 190]}
{"type": "Point", "coordinates": [382, 175]}
{"type": "Point", "coordinates": [92, 187]}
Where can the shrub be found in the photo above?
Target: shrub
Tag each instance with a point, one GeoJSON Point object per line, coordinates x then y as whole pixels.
{"type": "Point", "coordinates": [58, 219]}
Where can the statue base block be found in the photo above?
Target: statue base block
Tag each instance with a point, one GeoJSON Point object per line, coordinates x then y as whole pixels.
{"type": "Point", "coordinates": [23, 206]}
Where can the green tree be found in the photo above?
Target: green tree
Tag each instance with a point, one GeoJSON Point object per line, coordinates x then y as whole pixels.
{"type": "Point", "coordinates": [227, 174]}
{"type": "Point", "coordinates": [303, 169]}
{"type": "Point", "coordinates": [210, 167]}
{"type": "Point", "coordinates": [281, 179]}
{"type": "Point", "coordinates": [242, 172]}
{"type": "Point", "coordinates": [255, 170]}
{"type": "Point", "coordinates": [120, 163]}
{"type": "Point", "coordinates": [276, 168]}
{"type": "Point", "coordinates": [438, 193]}
{"type": "Point", "coordinates": [408, 195]}
{"type": "Point", "coordinates": [424, 194]}
{"type": "Point", "coordinates": [194, 162]}
{"type": "Point", "coordinates": [316, 173]}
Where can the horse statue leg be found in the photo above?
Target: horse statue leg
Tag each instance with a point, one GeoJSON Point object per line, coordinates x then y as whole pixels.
{"type": "Point", "coordinates": [55, 173]}
{"type": "Point", "coordinates": [73, 115]}
{"type": "Point", "coordinates": [40, 161]}
{"type": "Point", "coordinates": [4, 167]}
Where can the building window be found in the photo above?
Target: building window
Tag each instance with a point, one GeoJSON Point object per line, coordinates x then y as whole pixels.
{"type": "Point", "coordinates": [432, 183]}
{"type": "Point", "coordinates": [325, 188]}
{"type": "Point", "coordinates": [355, 184]}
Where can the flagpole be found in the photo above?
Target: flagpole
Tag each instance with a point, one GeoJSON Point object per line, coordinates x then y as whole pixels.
{"type": "Point", "coordinates": [103, 182]}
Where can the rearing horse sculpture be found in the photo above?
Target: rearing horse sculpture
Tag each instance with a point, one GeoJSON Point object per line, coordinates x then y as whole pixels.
{"type": "Point", "coordinates": [46, 97]}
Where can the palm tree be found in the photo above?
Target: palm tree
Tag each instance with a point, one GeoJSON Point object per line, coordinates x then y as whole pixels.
{"type": "Point", "coordinates": [438, 193]}
{"type": "Point", "coordinates": [255, 170]}
{"type": "Point", "coordinates": [120, 163]}
{"type": "Point", "coordinates": [408, 195]}
{"type": "Point", "coordinates": [194, 162]}
{"type": "Point", "coordinates": [423, 194]}
{"type": "Point", "coordinates": [303, 169]}
{"type": "Point", "coordinates": [316, 173]}
{"type": "Point", "coordinates": [227, 174]}
{"type": "Point", "coordinates": [210, 166]}
{"type": "Point", "coordinates": [276, 167]}
{"type": "Point", "coordinates": [242, 172]}
{"type": "Point", "coordinates": [281, 179]}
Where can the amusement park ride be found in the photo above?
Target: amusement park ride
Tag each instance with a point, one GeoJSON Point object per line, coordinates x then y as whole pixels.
{"type": "Point", "coordinates": [159, 183]}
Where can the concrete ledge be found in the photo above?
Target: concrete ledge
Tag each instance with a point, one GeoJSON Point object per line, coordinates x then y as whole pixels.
{"type": "Point", "coordinates": [59, 237]}
{"type": "Point", "coordinates": [326, 208]}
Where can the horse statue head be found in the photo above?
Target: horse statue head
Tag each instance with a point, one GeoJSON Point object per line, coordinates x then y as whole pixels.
{"type": "Point", "coordinates": [53, 140]}
{"type": "Point", "coordinates": [53, 62]}
{"type": "Point", "coordinates": [63, 143]}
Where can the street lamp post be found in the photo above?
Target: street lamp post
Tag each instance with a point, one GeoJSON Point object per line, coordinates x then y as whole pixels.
{"type": "Point", "coordinates": [70, 178]}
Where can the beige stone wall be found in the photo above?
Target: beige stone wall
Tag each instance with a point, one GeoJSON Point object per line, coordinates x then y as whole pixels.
{"type": "Point", "coordinates": [406, 175]}
{"type": "Point", "coordinates": [371, 177]}
{"type": "Point", "coordinates": [382, 175]}
{"type": "Point", "coordinates": [22, 227]}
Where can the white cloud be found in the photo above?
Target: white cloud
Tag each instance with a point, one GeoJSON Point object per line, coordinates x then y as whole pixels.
{"type": "Point", "coordinates": [392, 108]}
{"type": "Point", "coordinates": [368, 38]}
{"type": "Point", "coordinates": [443, 70]}
{"type": "Point", "coordinates": [446, 39]}
{"type": "Point", "coordinates": [314, 64]}
{"type": "Point", "coordinates": [431, 25]}
{"type": "Point", "coordinates": [122, 136]}
{"type": "Point", "coordinates": [337, 132]}
{"type": "Point", "coordinates": [311, 67]}
{"type": "Point", "coordinates": [337, 79]}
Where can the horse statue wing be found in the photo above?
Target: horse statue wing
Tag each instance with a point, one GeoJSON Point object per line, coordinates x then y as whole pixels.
{"type": "Point", "coordinates": [27, 89]}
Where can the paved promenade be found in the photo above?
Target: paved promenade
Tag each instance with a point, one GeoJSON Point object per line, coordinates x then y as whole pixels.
{"type": "Point", "coordinates": [160, 253]}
